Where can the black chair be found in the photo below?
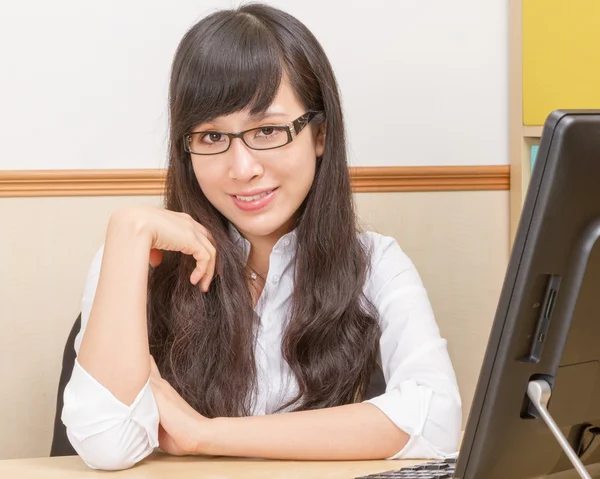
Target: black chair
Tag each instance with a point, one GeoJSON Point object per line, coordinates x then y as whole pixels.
{"type": "Point", "coordinates": [376, 385]}
{"type": "Point", "coordinates": [61, 446]}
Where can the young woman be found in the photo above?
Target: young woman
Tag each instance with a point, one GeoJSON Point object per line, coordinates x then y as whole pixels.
{"type": "Point", "coordinates": [264, 311]}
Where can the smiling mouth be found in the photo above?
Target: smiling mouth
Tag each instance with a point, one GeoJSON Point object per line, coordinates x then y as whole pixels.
{"type": "Point", "coordinates": [254, 202]}
{"type": "Point", "coordinates": [248, 199]}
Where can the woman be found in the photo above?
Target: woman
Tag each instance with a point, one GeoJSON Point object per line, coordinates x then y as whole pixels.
{"type": "Point", "coordinates": [265, 310]}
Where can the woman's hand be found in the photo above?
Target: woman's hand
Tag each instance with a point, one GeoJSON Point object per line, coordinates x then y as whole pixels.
{"type": "Point", "coordinates": [181, 429]}
{"type": "Point", "coordinates": [172, 231]}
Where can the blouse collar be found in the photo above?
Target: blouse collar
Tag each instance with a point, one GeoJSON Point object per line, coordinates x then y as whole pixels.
{"type": "Point", "coordinates": [285, 244]}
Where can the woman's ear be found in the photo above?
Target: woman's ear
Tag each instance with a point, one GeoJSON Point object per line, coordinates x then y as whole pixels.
{"type": "Point", "coordinates": [320, 143]}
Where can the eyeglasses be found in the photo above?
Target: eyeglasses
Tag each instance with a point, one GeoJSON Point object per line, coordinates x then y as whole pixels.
{"type": "Point", "coordinates": [262, 138]}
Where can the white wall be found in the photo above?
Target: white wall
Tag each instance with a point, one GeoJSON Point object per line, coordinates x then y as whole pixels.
{"type": "Point", "coordinates": [424, 82]}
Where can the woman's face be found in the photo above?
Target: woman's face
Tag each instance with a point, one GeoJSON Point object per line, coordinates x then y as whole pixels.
{"type": "Point", "coordinates": [232, 180]}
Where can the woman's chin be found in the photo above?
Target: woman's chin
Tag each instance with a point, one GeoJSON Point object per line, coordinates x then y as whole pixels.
{"type": "Point", "coordinates": [258, 227]}
{"type": "Point", "coordinates": [256, 231]}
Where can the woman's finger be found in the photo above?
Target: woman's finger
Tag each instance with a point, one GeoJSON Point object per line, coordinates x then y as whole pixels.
{"type": "Point", "coordinates": [206, 233]}
{"type": "Point", "coordinates": [198, 226]}
{"type": "Point", "coordinates": [202, 257]}
{"type": "Point", "coordinates": [199, 243]}
{"type": "Point", "coordinates": [211, 266]}
{"type": "Point", "coordinates": [156, 257]}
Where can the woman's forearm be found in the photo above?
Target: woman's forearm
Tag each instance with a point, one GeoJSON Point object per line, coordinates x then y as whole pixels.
{"type": "Point", "coordinates": [354, 431]}
{"type": "Point", "coordinates": [114, 349]}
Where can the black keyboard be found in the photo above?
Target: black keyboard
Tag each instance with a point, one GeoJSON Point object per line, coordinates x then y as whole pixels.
{"type": "Point", "coordinates": [428, 470]}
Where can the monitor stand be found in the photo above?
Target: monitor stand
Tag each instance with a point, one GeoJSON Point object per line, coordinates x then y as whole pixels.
{"type": "Point", "coordinates": [539, 393]}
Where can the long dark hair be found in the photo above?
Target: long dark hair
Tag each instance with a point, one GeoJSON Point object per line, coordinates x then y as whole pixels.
{"type": "Point", "coordinates": [204, 343]}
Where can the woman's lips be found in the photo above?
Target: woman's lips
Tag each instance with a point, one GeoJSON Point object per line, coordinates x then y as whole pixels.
{"type": "Point", "coordinates": [254, 205]}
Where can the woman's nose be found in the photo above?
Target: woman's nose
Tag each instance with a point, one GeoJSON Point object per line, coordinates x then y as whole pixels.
{"type": "Point", "coordinates": [243, 162]}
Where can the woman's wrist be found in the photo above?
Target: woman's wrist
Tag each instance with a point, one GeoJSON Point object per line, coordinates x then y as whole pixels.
{"type": "Point", "coordinates": [205, 438]}
{"type": "Point", "coordinates": [130, 224]}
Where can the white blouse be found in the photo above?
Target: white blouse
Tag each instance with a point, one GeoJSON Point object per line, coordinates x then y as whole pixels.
{"type": "Point", "coordinates": [421, 397]}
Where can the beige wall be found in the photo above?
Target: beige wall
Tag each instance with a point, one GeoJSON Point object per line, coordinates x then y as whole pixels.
{"type": "Point", "coordinates": [458, 240]}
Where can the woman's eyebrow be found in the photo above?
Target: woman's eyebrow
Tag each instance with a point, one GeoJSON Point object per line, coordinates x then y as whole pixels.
{"type": "Point", "coordinates": [268, 114]}
{"type": "Point", "coordinates": [209, 125]}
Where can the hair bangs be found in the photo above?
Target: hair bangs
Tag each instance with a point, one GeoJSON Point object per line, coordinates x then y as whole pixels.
{"type": "Point", "coordinates": [238, 66]}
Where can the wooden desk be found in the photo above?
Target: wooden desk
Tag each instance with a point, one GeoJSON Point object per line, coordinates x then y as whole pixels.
{"type": "Point", "coordinates": [163, 466]}
{"type": "Point", "coordinates": [159, 466]}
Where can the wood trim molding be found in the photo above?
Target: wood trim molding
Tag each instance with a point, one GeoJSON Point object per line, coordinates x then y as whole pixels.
{"type": "Point", "coordinates": [430, 178]}
{"type": "Point", "coordinates": [144, 182]}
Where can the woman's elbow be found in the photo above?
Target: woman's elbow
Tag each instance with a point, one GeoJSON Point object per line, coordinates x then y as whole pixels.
{"type": "Point", "coordinates": [444, 425]}
{"type": "Point", "coordinates": [104, 432]}
{"type": "Point", "coordinates": [120, 447]}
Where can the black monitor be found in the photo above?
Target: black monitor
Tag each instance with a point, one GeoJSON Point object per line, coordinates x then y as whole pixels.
{"type": "Point", "coordinates": [547, 325]}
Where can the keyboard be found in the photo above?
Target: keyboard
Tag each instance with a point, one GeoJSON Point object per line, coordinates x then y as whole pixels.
{"type": "Point", "coordinates": [428, 470]}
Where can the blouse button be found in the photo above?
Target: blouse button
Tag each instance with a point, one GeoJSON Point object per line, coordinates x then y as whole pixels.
{"type": "Point", "coordinates": [275, 279]}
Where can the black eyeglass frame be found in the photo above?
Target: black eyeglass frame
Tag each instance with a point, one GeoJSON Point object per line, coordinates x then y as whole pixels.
{"type": "Point", "coordinates": [293, 129]}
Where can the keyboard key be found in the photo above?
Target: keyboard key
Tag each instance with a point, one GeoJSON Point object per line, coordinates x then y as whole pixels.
{"type": "Point", "coordinates": [429, 470]}
{"type": "Point", "coordinates": [435, 466]}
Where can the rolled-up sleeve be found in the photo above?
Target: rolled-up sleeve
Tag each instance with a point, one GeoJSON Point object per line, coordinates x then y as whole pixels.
{"type": "Point", "coordinates": [106, 433]}
{"type": "Point", "coordinates": [421, 396]}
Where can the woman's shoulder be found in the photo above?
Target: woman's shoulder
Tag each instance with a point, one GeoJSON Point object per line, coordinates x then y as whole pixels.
{"type": "Point", "coordinates": [388, 261]}
{"type": "Point", "coordinates": [380, 247]}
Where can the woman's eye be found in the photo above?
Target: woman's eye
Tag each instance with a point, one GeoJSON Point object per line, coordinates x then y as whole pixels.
{"type": "Point", "coordinates": [267, 130]}
{"type": "Point", "coordinates": [212, 137]}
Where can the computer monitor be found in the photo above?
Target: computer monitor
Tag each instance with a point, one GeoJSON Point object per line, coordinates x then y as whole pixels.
{"type": "Point", "coordinates": [547, 323]}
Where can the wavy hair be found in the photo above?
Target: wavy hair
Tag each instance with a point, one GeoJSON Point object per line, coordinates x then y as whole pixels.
{"type": "Point", "coordinates": [204, 343]}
